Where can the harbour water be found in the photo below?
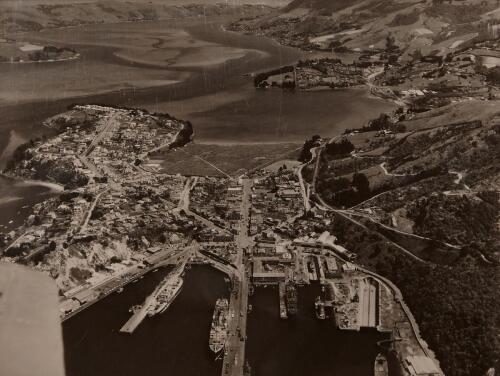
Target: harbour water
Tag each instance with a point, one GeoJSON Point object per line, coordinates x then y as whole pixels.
{"type": "Point", "coordinates": [303, 345]}
{"type": "Point", "coordinates": [176, 342]}
{"type": "Point", "coordinates": [17, 199]}
{"type": "Point", "coordinates": [172, 343]}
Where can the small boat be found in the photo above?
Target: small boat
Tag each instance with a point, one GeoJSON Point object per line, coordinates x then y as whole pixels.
{"type": "Point", "coordinates": [120, 290]}
{"type": "Point", "coordinates": [135, 308]}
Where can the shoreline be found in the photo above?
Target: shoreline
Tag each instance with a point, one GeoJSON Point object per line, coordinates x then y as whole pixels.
{"type": "Point", "coordinates": [76, 57]}
{"type": "Point", "coordinates": [53, 187]}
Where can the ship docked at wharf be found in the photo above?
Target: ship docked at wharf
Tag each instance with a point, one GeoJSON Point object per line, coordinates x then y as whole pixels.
{"type": "Point", "coordinates": [218, 331]}
{"type": "Point", "coordinates": [166, 292]}
{"type": "Point", "coordinates": [291, 298]}
{"type": "Point", "coordinates": [161, 298]}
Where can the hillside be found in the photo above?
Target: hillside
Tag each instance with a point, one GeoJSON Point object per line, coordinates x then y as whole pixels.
{"type": "Point", "coordinates": [433, 174]}
{"type": "Point", "coordinates": [33, 16]}
{"type": "Point", "coordinates": [417, 198]}
{"type": "Point", "coordinates": [430, 26]}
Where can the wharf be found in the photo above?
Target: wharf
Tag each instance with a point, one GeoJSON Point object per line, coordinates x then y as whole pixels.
{"type": "Point", "coordinates": [282, 291]}
{"type": "Point", "coordinates": [135, 320]}
{"type": "Point", "coordinates": [105, 289]}
{"type": "Point", "coordinates": [140, 313]}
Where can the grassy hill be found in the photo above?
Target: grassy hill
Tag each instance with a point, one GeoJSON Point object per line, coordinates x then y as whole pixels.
{"type": "Point", "coordinates": [431, 26]}
{"type": "Point", "coordinates": [37, 15]}
{"type": "Point", "coordinates": [429, 183]}
{"type": "Point", "coordinates": [434, 174]}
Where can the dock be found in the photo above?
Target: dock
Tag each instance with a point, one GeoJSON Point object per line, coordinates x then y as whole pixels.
{"type": "Point", "coordinates": [137, 316]}
{"type": "Point", "coordinates": [151, 301]}
{"type": "Point", "coordinates": [282, 291]}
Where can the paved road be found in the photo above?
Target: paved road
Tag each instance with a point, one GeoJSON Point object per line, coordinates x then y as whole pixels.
{"type": "Point", "coordinates": [321, 204]}
{"type": "Point", "coordinates": [234, 358]}
{"type": "Point", "coordinates": [91, 210]}
{"type": "Point", "coordinates": [389, 228]}
{"type": "Point", "coordinates": [107, 129]}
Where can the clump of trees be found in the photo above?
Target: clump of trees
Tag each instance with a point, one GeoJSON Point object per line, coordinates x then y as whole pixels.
{"type": "Point", "coordinates": [457, 308]}
{"type": "Point", "coordinates": [456, 219]}
{"type": "Point", "coordinates": [259, 80]}
{"type": "Point", "coordinates": [383, 122]}
{"type": "Point", "coordinates": [339, 149]}
{"type": "Point", "coordinates": [493, 75]}
{"type": "Point", "coordinates": [63, 173]}
{"type": "Point", "coordinates": [305, 154]}
{"type": "Point", "coordinates": [184, 136]}
{"type": "Point", "coordinates": [21, 153]}
{"type": "Point", "coordinates": [342, 192]}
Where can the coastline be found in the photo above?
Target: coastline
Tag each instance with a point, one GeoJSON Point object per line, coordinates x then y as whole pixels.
{"type": "Point", "coordinates": [76, 57]}
{"type": "Point", "coordinates": [20, 181]}
{"type": "Point", "coordinates": [53, 187]}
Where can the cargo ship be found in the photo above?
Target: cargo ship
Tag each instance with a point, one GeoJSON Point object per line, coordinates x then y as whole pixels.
{"type": "Point", "coordinates": [291, 299]}
{"type": "Point", "coordinates": [165, 293]}
{"type": "Point", "coordinates": [381, 368]}
{"type": "Point", "coordinates": [282, 292]}
{"type": "Point", "coordinates": [218, 331]}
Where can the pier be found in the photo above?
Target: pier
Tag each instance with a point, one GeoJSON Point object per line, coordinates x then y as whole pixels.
{"type": "Point", "coordinates": [136, 318]}
{"type": "Point", "coordinates": [140, 314]}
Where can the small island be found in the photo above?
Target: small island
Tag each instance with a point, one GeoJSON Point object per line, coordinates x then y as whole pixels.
{"type": "Point", "coordinates": [12, 51]}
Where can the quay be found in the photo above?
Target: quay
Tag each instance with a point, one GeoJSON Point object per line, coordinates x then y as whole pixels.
{"type": "Point", "coordinates": [137, 317]}
{"type": "Point", "coordinates": [101, 291]}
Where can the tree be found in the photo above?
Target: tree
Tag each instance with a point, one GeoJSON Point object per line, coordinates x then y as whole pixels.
{"type": "Point", "coordinates": [339, 148]}
{"type": "Point", "coordinates": [416, 55]}
{"type": "Point", "coordinates": [390, 43]}
{"type": "Point", "coordinates": [362, 184]}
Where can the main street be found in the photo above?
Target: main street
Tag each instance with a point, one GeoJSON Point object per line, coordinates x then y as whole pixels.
{"type": "Point", "coordinates": [234, 357]}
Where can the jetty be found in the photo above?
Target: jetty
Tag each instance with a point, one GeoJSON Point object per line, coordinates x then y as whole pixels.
{"type": "Point", "coordinates": [137, 317]}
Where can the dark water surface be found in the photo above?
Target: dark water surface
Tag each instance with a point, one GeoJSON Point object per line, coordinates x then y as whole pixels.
{"type": "Point", "coordinates": [304, 345]}
{"type": "Point", "coordinates": [176, 342]}
{"type": "Point", "coordinates": [16, 201]}
{"type": "Point", "coordinates": [172, 343]}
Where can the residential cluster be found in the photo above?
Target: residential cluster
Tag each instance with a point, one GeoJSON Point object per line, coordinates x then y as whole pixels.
{"type": "Point", "coordinates": [218, 199]}
{"type": "Point", "coordinates": [276, 201]}
{"type": "Point", "coordinates": [115, 218]}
